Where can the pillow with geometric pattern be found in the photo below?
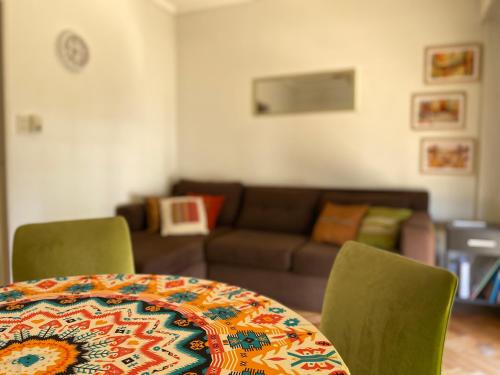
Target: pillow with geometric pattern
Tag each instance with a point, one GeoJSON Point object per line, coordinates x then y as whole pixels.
{"type": "Point", "coordinates": [381, 226]}
{"type": "Point", "coordinates": [183, 215]}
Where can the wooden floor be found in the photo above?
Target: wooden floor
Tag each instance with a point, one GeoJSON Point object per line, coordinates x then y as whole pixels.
{"type": "Point", "coordinates": [472, 344]}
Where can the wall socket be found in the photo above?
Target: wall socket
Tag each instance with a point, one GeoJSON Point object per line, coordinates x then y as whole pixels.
{"type": "Point", "coordinates": [29, 124]}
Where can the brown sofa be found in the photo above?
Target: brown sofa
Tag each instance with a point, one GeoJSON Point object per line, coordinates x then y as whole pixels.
{"type": "Point", "coordinates": [262, 240]}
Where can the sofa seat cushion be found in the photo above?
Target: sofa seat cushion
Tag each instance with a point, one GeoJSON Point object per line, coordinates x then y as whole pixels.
{"type": "Point", "coordinates": [314, 259]}
{"type": "Point", "coordinates": [166, 255]}
{"type": "Point", "coordinates": [257, 249]}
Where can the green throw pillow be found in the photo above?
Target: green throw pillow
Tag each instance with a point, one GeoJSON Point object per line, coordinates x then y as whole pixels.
{"type": "Point", "coordinates": [381, 225]}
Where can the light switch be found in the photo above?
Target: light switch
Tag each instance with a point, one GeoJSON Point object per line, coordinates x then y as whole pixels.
{"type": "Point", "coordinates": [35, 124]}
{"type": "Point", "coordinates": [29, 124]}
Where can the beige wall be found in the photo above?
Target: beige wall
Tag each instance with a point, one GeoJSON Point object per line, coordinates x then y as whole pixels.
{"type": "Point", "coordinates": [221, 51]}
{"type": "Point", "coordinates": [109, 132]}
{"type": "Point", "coordinates": [489, 192]}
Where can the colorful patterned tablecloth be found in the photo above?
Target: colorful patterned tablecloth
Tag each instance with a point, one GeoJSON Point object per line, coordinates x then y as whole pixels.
{"type": "Point", "coordinates": [148, 324]}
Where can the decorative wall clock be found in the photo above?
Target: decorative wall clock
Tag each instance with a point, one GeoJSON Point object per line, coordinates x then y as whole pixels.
{"type": "Point", "coordinates": [72, 50]}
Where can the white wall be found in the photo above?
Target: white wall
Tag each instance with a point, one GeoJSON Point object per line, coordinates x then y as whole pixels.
{"type": "Point", "coordinates": [485, 7]}
{"type": "Point", "coordinates": [221, 51]}
{"type": "Point", "coordinates": [489, 197]}
{"type": "Point", "coordinates": [490, 10]}
{"type": "Point", "coordinates": [109, 132]}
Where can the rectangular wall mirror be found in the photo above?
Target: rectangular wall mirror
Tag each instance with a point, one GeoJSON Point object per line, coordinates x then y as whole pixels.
{"type": "Point", "coordinates": [314, 92]}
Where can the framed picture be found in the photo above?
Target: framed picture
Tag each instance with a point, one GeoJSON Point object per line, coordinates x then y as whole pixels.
{"type": "Point", "coordinates": [448, 156]}
{"type": "Point", "coordinates": [438, 111]}
{"type": "Point", "coordinates": [454, 63]}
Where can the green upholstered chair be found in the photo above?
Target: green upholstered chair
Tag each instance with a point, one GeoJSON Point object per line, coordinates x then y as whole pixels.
{"type": "Point", "coordinates": [83, 247]}
{"type": "Point", "coordinates": [386, 314]}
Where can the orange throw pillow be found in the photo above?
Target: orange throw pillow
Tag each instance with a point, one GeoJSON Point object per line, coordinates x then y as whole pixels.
{"type": "Point", "coordinates": [153, 214]}
{"type": "Point", "coordinates": [213, 206]}
{"type": "Point", "coordinates": [339, 223]}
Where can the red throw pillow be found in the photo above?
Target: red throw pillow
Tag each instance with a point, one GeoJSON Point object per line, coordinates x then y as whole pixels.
{"type": "Point", "coordinates": [213, 206]}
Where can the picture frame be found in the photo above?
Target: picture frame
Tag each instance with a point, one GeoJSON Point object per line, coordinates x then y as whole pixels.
{"type": "Point", "coordinates": [456, 63]}
{"type": "Point", "coordinates": [448, 156]}
{"type": "Point", "coordinates": [438, 110]}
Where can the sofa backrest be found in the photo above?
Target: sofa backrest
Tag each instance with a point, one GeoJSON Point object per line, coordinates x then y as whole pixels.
{"type": "Point", "coordinates": [232, 192]}
{"type": "Point", "coordinates": [289, 210]}
{"type": "Point", "coordinates": [414, 200]}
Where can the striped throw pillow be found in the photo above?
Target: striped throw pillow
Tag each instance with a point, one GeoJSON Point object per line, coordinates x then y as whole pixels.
{"type": "Point", "coordinates": [183, 215]}
{"type": "Point", "coordinates": [382, 225]}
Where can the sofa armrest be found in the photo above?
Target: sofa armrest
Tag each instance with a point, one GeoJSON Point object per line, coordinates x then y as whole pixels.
{"type": "Point", "coordinates": [418, 238]}
{"type": "Point", "coordinates": [134, 214]}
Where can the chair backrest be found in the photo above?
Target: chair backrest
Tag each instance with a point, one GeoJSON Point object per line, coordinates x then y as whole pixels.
{"type": "Point", "coordinates": [83, 247]}
{"type": "Point", "coordinates": [387, 314]}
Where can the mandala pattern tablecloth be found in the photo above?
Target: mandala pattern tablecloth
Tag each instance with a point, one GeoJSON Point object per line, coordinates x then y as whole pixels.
{"type": "Point", "coordinates": [148, 324]}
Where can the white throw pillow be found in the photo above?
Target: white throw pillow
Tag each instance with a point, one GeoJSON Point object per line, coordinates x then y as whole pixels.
{"type": "Point", "coordinates": [183, 215]}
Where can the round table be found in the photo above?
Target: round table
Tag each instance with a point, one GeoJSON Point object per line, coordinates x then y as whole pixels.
{"type": "Point", "coordinates": [151, 324]}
